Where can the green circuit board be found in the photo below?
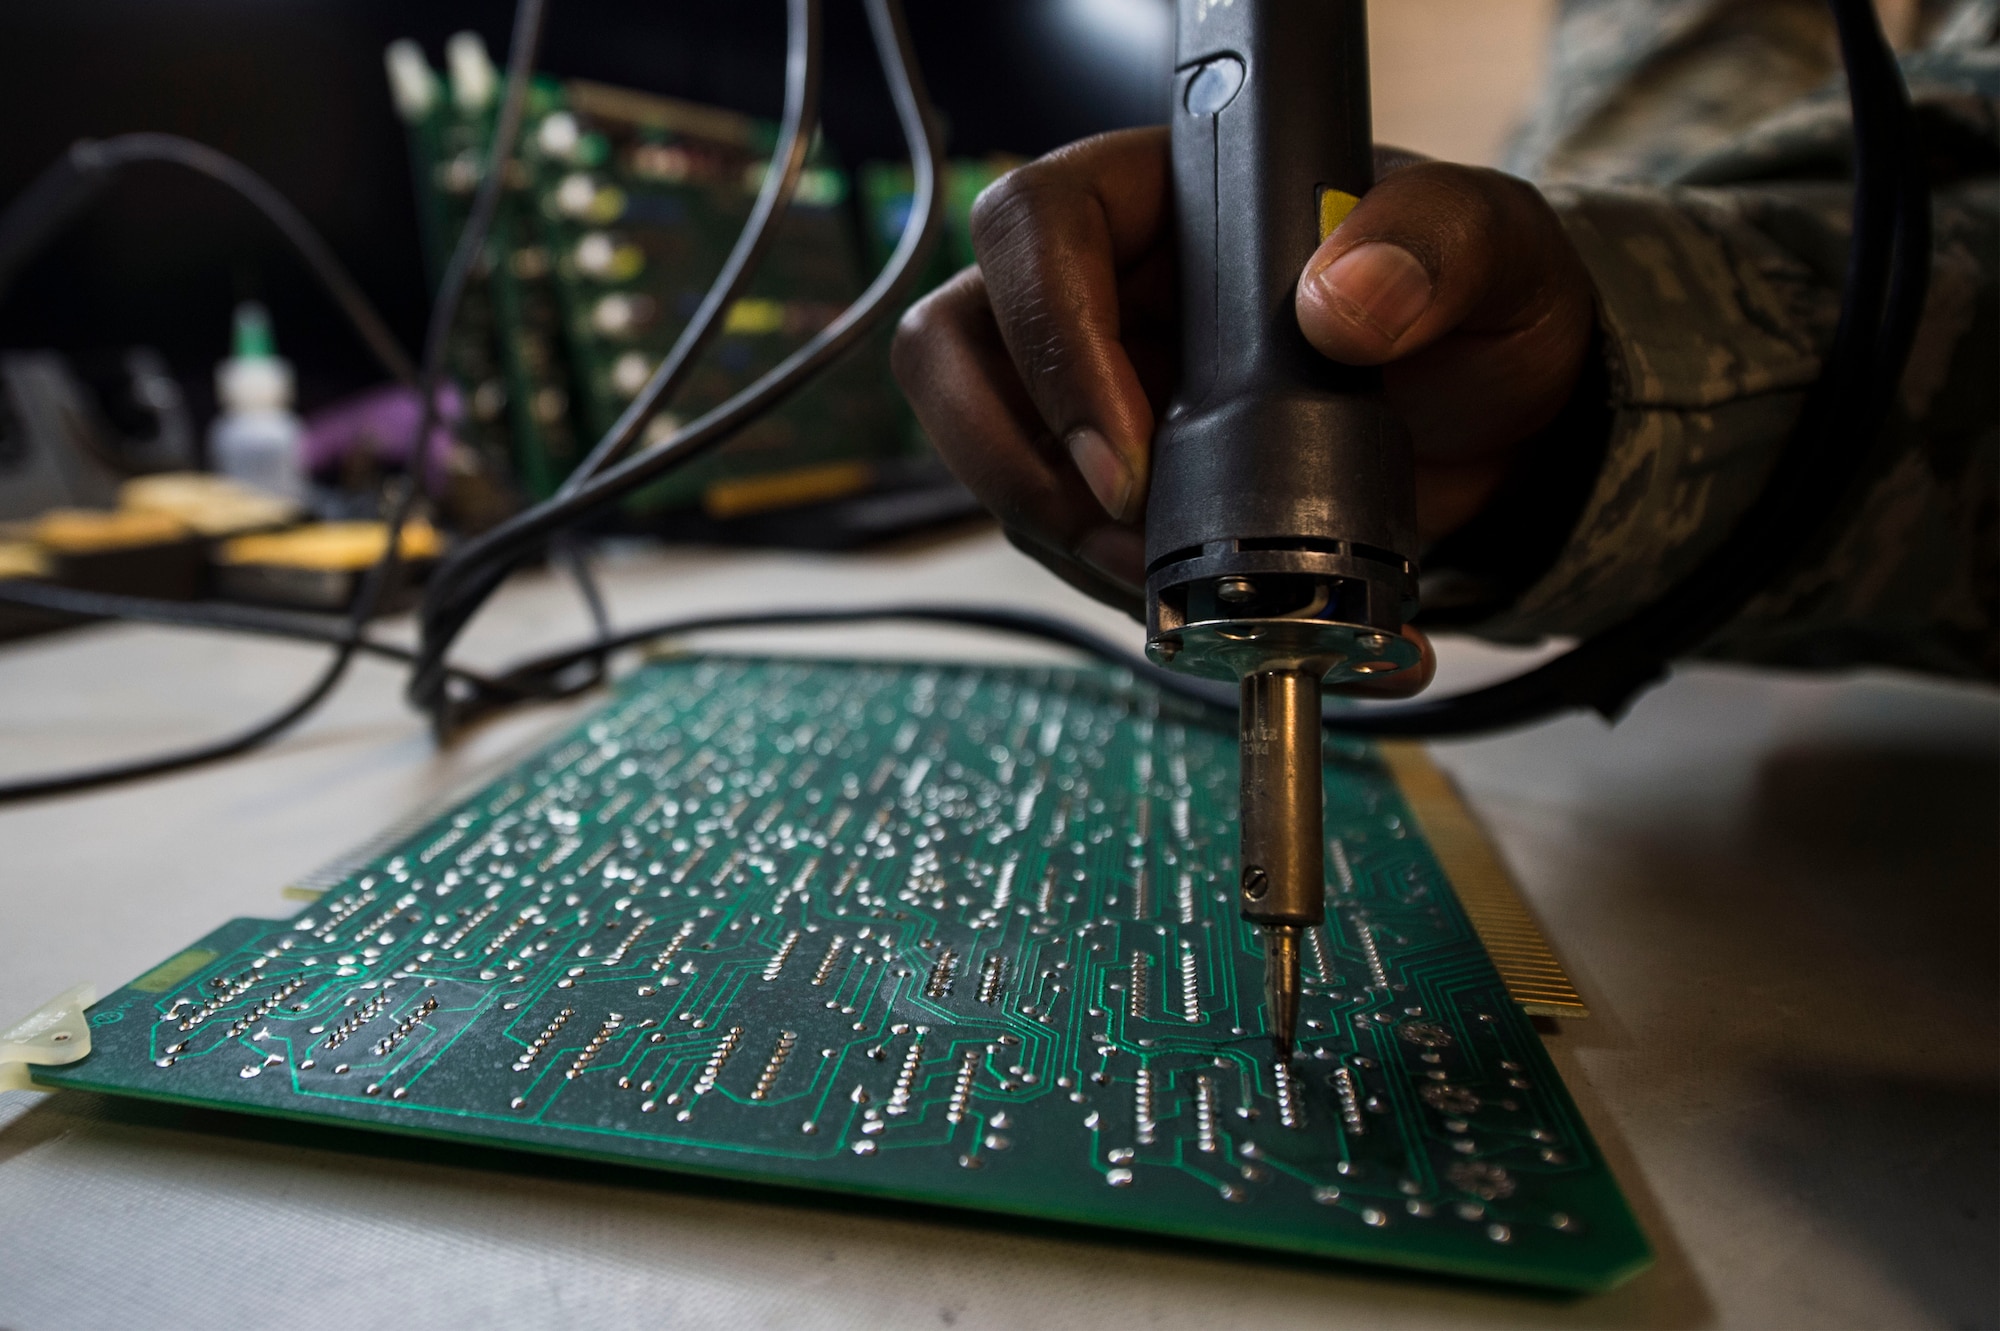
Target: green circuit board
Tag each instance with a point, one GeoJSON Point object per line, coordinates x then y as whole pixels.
{"type": "Point", "coordinates": [947, 934]}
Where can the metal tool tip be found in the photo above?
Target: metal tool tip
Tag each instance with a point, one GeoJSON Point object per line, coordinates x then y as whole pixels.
{"type": "Point", "coordinates": [1281, 985]}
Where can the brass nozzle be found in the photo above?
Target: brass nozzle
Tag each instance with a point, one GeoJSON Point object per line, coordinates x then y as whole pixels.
{"type": "Point", "coordinates": [1284, 869]}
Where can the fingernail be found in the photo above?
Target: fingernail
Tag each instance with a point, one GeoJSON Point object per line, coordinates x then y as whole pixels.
{"type": "Point", "coordinates": [1103, 470]}
{"type": "Point", "coordinates": [1381, 284]}
{"type": "Point", "coordinates": [1119, 553]}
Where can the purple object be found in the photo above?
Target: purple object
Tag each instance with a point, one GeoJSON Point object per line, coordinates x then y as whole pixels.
{"type": "Point", "coordinates": [383, 423]}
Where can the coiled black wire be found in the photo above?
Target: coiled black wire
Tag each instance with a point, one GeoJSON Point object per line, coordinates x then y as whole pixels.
{"type": "Point", "coordinates": [88, 166]}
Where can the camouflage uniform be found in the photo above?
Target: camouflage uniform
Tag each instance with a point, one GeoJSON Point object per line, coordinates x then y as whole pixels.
{"type": "Point", "coordinates": [1695, 150]}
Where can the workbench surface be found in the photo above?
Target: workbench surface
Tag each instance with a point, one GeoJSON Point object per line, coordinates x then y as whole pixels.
{"type": "Point", "coordinates": [1776, 892]}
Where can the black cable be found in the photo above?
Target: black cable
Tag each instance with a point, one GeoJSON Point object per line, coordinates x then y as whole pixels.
{"type": "Point", "coordinates": [223, 616]}
{"type": "Point", "coordinates": [530, 678]}
{"type": "Point", "coordinates": [774, 197]}
{"type": "Point", "coordinates": [226, 615]}
{"type": "Point", "coordinates": [1894, 139]}
{"type": "Point", "coordinates": [568, 553]}
{"type": "Point", "coordinates": [471, 243]}
{"type": "Point", "coordinates": [463, 581]}
{"type": "Point", "coordinates": [88, 166]}
{"type": "Point", "coordinates": [803, 74]}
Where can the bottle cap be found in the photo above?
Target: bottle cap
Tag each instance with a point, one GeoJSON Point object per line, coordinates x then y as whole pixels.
{"type": "Point", "coordinates": [253, 333]}
{"type": "Point", "coordinates": [255, 377]}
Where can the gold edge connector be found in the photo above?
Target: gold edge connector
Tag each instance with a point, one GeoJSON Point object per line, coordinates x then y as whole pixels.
{"type": "Point", "coordinates": [1535, 979]}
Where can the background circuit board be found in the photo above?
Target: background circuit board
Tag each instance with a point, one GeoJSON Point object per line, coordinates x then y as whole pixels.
{"type": "Point", "coordinates": [620, 209]}
{"type": "Point", "coordinates": [949, 934]}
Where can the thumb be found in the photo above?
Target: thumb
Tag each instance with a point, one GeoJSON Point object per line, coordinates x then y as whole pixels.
{"type": "Point", "coordinates": [1433, 249]}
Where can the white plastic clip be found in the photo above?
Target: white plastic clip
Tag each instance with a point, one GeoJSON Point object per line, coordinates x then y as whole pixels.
{"type": "Point", "coordinates": [57, 1033]}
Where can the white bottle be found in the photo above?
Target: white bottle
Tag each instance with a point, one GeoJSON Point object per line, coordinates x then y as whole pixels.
{"type": "Point", "coordinates": [256, 437]}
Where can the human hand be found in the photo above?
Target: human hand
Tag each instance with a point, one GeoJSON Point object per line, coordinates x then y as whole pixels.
{"type": "Point", "coordinates": [1041, 374]}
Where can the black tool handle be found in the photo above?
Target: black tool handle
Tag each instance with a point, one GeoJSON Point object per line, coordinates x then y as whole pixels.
{"type": "Point", "coordinates": [1267, 441]}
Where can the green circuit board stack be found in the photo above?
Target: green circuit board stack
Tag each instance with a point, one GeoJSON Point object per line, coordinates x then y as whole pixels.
{"type": "Point", "coordinates": [643, 198]}
{"type": "Point", "coordinates": [447, 143]}
{"type": "Point", "coordinates": [619, 210]}
{"type": "Point", "coordinates": [942, 934]}
{"type": "Point", "coordinates": [508, 353]}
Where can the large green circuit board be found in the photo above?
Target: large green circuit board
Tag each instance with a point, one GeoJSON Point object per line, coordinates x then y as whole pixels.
{"type": "Point", "coordinates": [956, 935]}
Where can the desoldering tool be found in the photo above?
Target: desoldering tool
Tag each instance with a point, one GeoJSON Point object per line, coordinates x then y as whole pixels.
{"type": "Point", "coordinates": [1281, 524]}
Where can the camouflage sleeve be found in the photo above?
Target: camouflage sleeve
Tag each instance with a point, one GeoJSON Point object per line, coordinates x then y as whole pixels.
{"type": "Point", "coordinates": [1718, 275]}
{"type": "Point", "coordinates": [1639, 88]}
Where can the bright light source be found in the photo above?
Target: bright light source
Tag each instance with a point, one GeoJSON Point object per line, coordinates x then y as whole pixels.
{"type": "Point", "coordinates": [1140, 24]}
